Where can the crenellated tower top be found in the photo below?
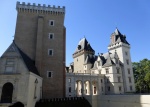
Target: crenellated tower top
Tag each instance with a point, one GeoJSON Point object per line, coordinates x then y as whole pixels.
{"type": "Point", "coordinates": [33, 8]}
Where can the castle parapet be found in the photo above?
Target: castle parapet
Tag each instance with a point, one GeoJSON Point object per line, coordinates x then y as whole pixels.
{"type": "Point", "coordinates": [39, 8]}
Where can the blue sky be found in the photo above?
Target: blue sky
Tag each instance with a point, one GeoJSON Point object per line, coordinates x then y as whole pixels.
{"type": "Point", "coordinates": [94, 19]}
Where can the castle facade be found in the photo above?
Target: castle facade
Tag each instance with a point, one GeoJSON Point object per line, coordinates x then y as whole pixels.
{"type": "Point", "coordinates": [105, 73]}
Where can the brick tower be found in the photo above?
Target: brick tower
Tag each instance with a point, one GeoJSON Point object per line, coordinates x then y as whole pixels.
{"type": "Point", "coordinates": [40, 34]}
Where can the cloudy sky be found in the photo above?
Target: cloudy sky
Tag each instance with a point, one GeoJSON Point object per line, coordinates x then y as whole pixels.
{"type": "Point", "coordinates": [93, 19]}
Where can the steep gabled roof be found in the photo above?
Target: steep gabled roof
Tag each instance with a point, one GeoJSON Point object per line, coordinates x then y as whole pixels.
{"type": "Point", "coordinates": [90, 59]}
{"type": "Point", "coordinates": [84, 45]}
{"type": "Point", "coordinates": [109, 62]}
{"type": "Point", "coordinates": [118, 37]}
{"type": "Point", "coordinates": [30, 64]}
{"type": "Point", "coordinates": [106, 58]}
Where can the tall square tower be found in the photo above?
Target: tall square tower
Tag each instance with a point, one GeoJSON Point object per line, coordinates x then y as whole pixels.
{"type": "Point", "coordinates": [40, 34]}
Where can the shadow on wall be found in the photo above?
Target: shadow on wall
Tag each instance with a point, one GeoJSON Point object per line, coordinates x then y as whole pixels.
{"type": "Point", "coordinates": [17, 104]}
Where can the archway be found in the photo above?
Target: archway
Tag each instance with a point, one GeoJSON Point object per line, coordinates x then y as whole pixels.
{"type": "Point", "coordinates": [87, 88]}
{"type": "Point", "coordinates": [79, 88]}
{"type": "Point", "coordinates": [7, 92]}
{"type": "Point", "coordinates": [95, 87]}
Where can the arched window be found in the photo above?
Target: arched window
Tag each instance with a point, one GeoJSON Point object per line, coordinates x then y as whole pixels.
{"type": "Point", "coordinates": [7, 92]}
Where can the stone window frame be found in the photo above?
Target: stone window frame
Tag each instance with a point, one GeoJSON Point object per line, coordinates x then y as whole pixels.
{"type": "Point", "coordinates": [120, 88]}
{"type": "Point", "coordinates": [107, 70]}
{"type": "Point", "coordinates": [51, 22]}
{"type": "Point", "coordinates": [118, 70]}
{"type": "Point", "coordinates": [69, 80]}
{"type": "Point", "coordinates": [127, 61]}
{"type": "Point", "coordinates": [51, 74]}
{"type": "Point", "coordinates": [10, 65]}
{"type": "Point", "coordinates": [51, 34]}
{"type": "Point", "coordinates": [131, 88]}
{"type": "Point", "coordinates": [129, 71]}
{"type": "Point", "coordinates": [130, 81]}
{"type": "Point", "coordinates": [50, 52]}
{"type": "Point", "coordinates": [119, 78]}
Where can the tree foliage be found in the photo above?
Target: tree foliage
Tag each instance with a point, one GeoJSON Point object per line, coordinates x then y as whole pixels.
{"type": "Point", "coordinates": [142, 75]}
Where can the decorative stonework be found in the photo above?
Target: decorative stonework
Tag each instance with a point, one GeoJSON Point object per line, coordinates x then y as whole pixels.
{"type": "Point", "coordinates": [39, 8]}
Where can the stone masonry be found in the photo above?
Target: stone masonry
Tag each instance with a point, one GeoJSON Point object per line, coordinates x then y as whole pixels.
{"type": "Point", "coordinates": [32, 37]}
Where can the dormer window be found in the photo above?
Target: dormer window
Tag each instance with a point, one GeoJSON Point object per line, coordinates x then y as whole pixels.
{"type": "Point", "coordinates": [116, 61]}
{"type": "Point", "coordinates": [79, 47]}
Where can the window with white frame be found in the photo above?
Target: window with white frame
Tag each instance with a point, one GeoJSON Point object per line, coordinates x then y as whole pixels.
{"type": "Point", "coordinates": [50, 52]}
{"type": "Point", "coordinates": [107, 71]}
{"type": "Point", "coordinates": [49, 74]}
{"type": "Point", "coordinates": [51, 35]}
{"type": "Point", "coordinates": [51, 22]}
{"type": "Point", "coordinates": [69, 80]}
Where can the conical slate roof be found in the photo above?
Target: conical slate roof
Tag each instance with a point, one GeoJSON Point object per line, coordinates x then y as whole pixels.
{"type": "Point", "coordinates": [117, 37]}
{"type": "Point", "coordinates": [84, 45]}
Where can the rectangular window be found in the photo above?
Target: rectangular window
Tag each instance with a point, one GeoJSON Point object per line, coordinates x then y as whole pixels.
{"type": "Point", "coordinates": [119, 79]}
{"type": "Point", "coordinates": [107, 71]}
{"type": "Point", "coordinates": [127, 62]}
{"type": "Point", "coordinates": [9, 69]}
{"type": "Point", "coordinates": [130, 80]}
{"type": "Point", "coordinates": [10, 61]}
{"type": "Point", "coordinates": [126, 53]}
{"type": "Point", "coordinates": [49, 74]}
{"type": "Point", "coordinates": [118, 70]}
{"type": "Point", "coordinates": [128, 71]}
{"type": "Point", "coordinates": [69, 80]}
{"type": "Point", "coordinates": [51, 35]}
{"type": "Point", "coordinates": [116, 61]}
{"type": "Point", "coordinates": [51, 22]}
{"type": "Point", "coordinates": [108, 88]}
{"type": "Point", "coordinates": [119, 88]}
{"type": "Point", "coordinates": [130, 88]}
{"type": "Point", "coordinates": [69, 89]}
{"type": "Point", "coordinates": [108, 81]}
{"type": "Point", "coordinates": [50, 52]}
{"type": "Point", "coordinates": [101, 80]}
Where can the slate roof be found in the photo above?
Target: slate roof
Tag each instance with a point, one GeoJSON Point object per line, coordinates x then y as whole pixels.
{"type": "Point", "coordinates": [90, 59]}
{"type": "Point", "coordinates": [30, 64]}
{"type": "Point", "coordinates": [84, 45]}
{"type": "Point", "coordinates": [118, 37]}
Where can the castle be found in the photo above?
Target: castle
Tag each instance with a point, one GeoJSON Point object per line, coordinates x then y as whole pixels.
{"type": "Point", "coordinates": [33, 66]}
{"type": "Point", "coordinates": [105, 73]}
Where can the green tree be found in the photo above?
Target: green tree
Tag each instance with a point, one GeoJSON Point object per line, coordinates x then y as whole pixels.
{"type": "Point", "coordinates": [142, 75]}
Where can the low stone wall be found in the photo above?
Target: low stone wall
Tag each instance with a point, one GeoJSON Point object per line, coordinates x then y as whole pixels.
{"type": "Point", "coordinates": [119, 100]}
